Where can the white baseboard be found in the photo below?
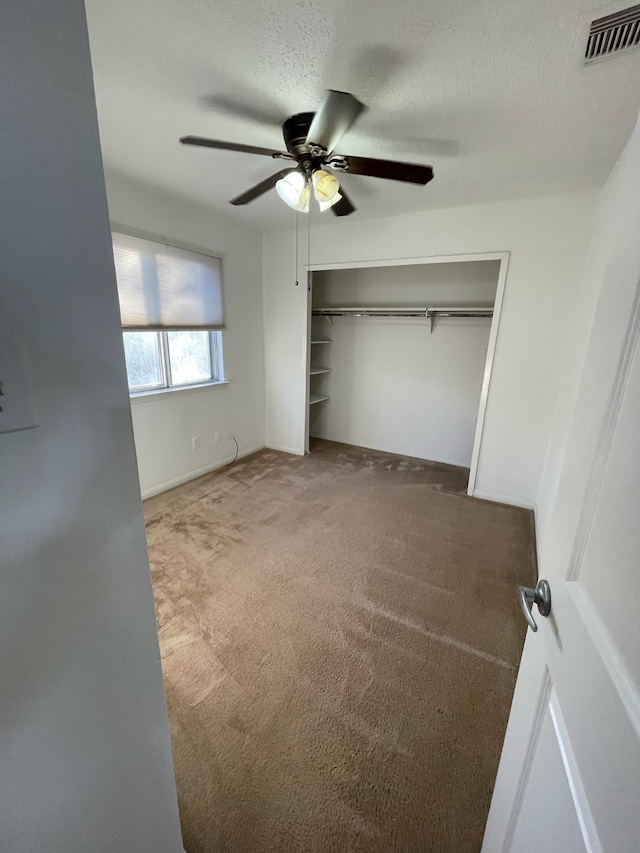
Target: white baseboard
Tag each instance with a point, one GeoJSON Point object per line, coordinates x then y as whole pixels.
{"type": "Point", "coordinates": [538, 540]}
{"type": "Point", "coordinates": [504, 499]}
{"type": "Point", "coordinates": [284, 449]}
{"type": "Point", "coordinates": [199, 472]}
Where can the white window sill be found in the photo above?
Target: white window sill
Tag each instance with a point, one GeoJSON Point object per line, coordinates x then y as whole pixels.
{"type": "Point", "coordinates": [155, 393]}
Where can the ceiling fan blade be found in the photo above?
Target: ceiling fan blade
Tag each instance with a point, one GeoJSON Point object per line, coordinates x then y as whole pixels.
{"type": "Point", "coordinates": [243, 109]}
{"type": "Point", "coordinates": [260, 188]}
{"type": "Point", "coordinates": [412, 173]}
{"type": "Point", "coordinates": [231, 146]}
{"type": "Point", "coordinates": [334, 118]}
{"type": "Point", "coordinates": [343, 207]}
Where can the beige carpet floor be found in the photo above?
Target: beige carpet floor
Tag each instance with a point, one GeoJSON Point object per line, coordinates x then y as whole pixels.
{"type": "Point", "coordinates": [340, 636]}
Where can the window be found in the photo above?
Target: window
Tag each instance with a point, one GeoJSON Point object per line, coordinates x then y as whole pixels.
{"type": "Point", "coordinates": [172, 314]}
{"type": "Point", "coordinates": [159, 360]}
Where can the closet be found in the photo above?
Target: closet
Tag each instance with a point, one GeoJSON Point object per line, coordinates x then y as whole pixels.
{"type": "Point", "coordinates": [397, 355]}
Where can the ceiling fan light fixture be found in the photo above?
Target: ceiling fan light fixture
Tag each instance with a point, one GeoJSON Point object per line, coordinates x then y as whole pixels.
{"type": "Point", "coordinates": [310, 139]}
{"type": "Point", "coordinates": [325, 185]}
{"type": "Point", "coordinates": [303, 201]}
{"type": "Point", "coordinates": [291, 188]}
{"type": "Point", "coordinates": [325, 205]}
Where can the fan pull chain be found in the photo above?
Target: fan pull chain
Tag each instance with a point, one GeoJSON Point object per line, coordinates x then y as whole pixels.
{"type": "Point", "coordinates": [309, 249]}
{"type": "Point", "coordinates": [297, 229]}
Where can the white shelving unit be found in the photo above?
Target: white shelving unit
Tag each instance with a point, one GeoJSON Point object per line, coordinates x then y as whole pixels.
{"type": "Point", "coordinates": [315, 397]}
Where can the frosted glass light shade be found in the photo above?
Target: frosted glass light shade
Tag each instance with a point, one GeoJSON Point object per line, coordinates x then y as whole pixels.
{"type": "Point", "coordinates": [325, 185]}
{"type": "Point", "coordinates": [303, 201]}
{"type": "Point", "coordinates": [290, 188]}
{"type": "Point", "coordinates": [325, 205]}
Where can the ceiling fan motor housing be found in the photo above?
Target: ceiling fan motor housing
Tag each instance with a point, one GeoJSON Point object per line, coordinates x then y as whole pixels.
{"type": "Point", "coordinates": [295, 131]}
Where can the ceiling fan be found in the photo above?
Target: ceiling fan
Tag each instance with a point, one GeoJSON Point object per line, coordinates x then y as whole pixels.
{"type": "Point", "coordinates": [310, 140]}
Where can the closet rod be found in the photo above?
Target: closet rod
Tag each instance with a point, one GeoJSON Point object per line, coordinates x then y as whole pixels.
{"type": "Point", "coordinates": [459, 312]}
{"type": "Point", "coordinates": [369, 312]}
{"type": "Point", "coordinates": [425, 313]}
{"type": "Point", "coordinates": [403, 312]}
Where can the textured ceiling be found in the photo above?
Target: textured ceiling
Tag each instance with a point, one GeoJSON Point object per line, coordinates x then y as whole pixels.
{"type": "Point", "coordinates": [492, 93]}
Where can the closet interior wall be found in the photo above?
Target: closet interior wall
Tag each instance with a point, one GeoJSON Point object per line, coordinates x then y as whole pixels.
{"type": "Point", "coordinates": [391, 383]}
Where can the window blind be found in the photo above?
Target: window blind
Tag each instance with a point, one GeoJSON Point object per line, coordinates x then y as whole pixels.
{"type": "Point", "coordinates": [163, 287]}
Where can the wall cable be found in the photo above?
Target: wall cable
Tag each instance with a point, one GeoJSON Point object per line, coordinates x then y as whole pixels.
{"type": "Point", "coordinates": [237, 452]}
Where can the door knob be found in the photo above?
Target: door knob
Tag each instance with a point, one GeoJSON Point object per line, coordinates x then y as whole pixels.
{"type": "Point", "coordinates": [541, 596]}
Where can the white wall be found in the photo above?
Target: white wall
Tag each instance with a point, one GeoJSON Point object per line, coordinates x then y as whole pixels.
{"type": "Point", "coordinates": [164, 424]}
{"type": "Point", "coordinates": [394, 385]}
{"type": "Point", "coordinates": [86, 758]}
{"type": "Point", "coordinates": [606, 312]}
{"type": "Point", "coordinates": [547, 239]}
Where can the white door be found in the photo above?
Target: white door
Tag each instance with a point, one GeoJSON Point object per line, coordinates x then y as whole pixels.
{"type": "Point", "coordinates": [569, 776]}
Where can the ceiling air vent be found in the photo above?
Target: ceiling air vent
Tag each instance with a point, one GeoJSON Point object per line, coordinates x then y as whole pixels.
{"type": "Point", "coordinates": [613, 34]}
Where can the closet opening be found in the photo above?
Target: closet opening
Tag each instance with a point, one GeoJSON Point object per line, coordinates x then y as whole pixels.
{"type": "Point", "coordinates": [400, 355]}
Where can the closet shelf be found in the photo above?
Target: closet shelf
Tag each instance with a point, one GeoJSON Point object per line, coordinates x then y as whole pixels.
{"type": "Point", "coordinates": [315, 370]}
{"type": "Point", "coordinates": [317, 398]}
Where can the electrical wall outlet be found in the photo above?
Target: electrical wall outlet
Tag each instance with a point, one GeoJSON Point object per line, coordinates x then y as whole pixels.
{"type": "Point", "coordinates": [195, 442]}
{"type": "Point", "coordinates": [217, 438]}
